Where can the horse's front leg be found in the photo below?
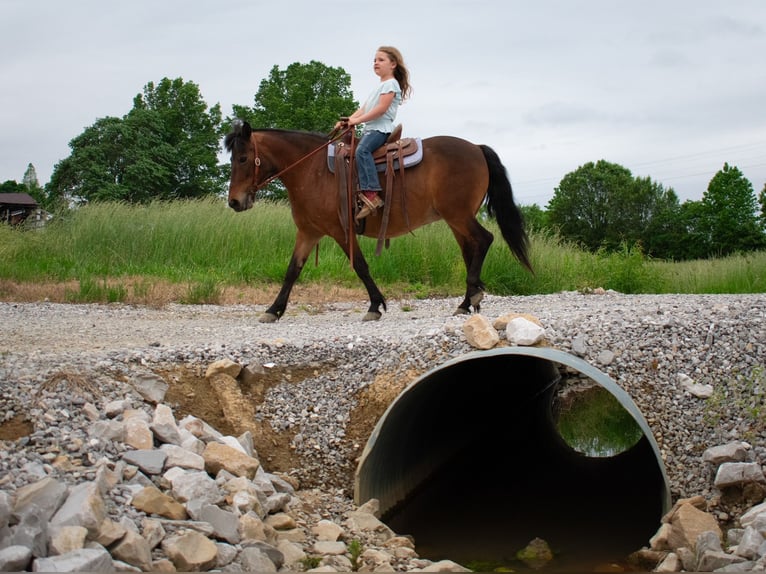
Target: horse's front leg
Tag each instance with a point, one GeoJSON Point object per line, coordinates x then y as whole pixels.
{"type": "Point", "coordinates": [363, 272]}
{"type": "Point", "coordinates": [303, 247]}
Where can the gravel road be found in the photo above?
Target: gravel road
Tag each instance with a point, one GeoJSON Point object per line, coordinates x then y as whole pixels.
{"type": "Point", "coordinates": [646, 343]}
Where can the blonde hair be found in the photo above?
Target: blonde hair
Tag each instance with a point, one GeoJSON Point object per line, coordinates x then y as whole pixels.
{"type": "Point", "coordinates": [401, 73]}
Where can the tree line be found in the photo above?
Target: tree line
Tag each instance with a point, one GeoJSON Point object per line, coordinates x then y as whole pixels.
{"type": "Point", "coordinates": [167, 147]}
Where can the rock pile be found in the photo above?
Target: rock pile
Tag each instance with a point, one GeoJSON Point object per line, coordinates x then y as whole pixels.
{"type": "Point", "coordinates": [690, 538]}
{"type": "Point", "coordinates": [181, 496]}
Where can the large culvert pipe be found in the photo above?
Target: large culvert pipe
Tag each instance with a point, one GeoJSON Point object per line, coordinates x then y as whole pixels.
{"type": "Point", "coordinates": [468, 460]}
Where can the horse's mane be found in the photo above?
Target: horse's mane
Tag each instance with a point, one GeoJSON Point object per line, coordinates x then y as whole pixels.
{"type": "Point", "coordinates": [236, 134]}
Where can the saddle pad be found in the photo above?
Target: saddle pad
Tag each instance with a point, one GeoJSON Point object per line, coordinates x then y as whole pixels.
{"type": "Point", "coordinates": [409, 160]}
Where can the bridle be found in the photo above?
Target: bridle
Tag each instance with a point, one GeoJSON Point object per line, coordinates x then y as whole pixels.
{"type": "Point", "coordinates": [334, 136]}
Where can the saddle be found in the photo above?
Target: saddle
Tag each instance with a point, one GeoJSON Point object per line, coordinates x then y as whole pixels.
{"type": "Point", "coordinates": [393, 158]}
{"type": "Point", "coordinates": [408, 150]}
{"type": "Point", "coordinates": [395, 144]}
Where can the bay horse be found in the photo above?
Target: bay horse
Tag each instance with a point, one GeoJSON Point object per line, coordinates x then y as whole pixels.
{"type": "Point", "coordinates": [450, 183]}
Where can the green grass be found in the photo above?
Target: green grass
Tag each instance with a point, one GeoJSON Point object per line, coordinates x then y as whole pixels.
{"type": "Point", "coordinates": [594, 423]}
{"type": "Point", "coordinates": [205, 246]}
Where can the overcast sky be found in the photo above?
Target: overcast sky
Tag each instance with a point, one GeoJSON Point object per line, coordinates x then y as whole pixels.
{"type": "Point", "coordinates": [669, 89]}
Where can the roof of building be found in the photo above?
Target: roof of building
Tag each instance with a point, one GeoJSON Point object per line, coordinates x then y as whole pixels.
{"type": "Point", "coordinates": [21, 199]}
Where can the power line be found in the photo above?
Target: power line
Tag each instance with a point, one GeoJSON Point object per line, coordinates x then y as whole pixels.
{"type": "Point", "coordinates": [702, 154]}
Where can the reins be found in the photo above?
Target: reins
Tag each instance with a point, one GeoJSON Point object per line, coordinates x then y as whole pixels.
{"type": "Point", "coordinates": [334, 136]}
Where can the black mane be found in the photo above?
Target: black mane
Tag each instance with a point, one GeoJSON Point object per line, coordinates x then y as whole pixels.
{"type": "Point", "coordinates": [242, 130]}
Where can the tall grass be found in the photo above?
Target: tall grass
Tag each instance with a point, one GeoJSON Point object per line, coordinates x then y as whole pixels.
{"type": "Point", "coordinates": [204, 244]}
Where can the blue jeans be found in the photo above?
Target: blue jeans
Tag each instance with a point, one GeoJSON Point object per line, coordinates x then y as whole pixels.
{"type": "Point", "coordinates": [365, 165]}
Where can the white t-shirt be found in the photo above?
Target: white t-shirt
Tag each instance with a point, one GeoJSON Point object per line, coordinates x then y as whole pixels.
{"type": "Point", "coordinates": [384, 123]}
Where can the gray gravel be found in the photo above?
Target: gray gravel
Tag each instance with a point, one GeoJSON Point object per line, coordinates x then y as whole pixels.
{"type": "Point", "coordinates": [644, 342]}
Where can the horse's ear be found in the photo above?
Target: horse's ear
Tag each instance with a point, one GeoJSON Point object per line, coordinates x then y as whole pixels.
{"type": "Point", "coordinates": [241, 128]}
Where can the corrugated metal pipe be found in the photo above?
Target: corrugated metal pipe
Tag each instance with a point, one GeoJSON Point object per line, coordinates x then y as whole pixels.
{"type": "Point", "coordinates": [469, 460]}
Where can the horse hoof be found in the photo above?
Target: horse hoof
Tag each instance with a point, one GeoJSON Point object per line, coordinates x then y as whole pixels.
{"type": "Point", "coordinates": [476, 299]}
{"type": "Point", "coordinates": [461, 311]}
{"type": "Point", "coordinates": [372, 316]}
{"type": "Point", "coordinates": [268, 318]}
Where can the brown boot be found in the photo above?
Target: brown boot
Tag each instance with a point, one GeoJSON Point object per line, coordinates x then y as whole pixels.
{"type": "Point", "coordinates": [371, 201]}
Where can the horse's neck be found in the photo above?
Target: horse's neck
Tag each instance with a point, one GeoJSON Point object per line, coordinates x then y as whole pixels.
{"type": "Point", "coordinates": [287, 148]}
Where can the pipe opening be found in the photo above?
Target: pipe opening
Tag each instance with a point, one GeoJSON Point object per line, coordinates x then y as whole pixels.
{"type": "Point", "coordinates": [487, 452]}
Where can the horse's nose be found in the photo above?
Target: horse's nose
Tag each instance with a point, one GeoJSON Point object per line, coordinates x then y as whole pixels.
{"type": "Point", "coordinates": [234, 204]}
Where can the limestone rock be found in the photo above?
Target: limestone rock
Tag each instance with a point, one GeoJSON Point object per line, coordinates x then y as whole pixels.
{"type": "Point", "coordinates": [502, 322]}
{"type": "Point", "coordinates": [133, 549]}
{"type": "Point", "coordinates": [66, 539]}
{"type": "Point", "coordinates": [82, 560]}
{"type": "Point", "coordinates": [150, 386]}
{"type": "Point", "coordinates": [731, 452]}
{"type": "Point", "coordinates": [480, 333]}
{"type": "Point", "coordinates": [225, 366]}
{"type": "Point", "coordinates": [164, 425]}
{"type": "Point", "coordinates": [190, 551]}
{"type": "Point", "coordinates": [327, 530]}
{"type": "Point", "coordinates": [222, 457]}
{"type": "Point", "coordinates": [738, 474]}
{"type": "Point", "coordinates": [153, 501]}
{"type": "Point", "coordinates": [196, 486]}
{"type": "Point", "coordinates": [749, 517]}
{"type": "Point", "coordinates": [521, 331]}
{"type": "Point", "coordinates": [150, 461]}
{"type": "Point", "coordinates": [138, 434]}
{"type": "Point", "coordinates": [688, 522]}
{"type": "Point", "coordinates": [15, 558]}
{"type": "Point", "coordinates": [42, 498]}
{"type": "Point", "coordinates": [83, 507]}
{"type": "Point", "coordinates": [701, 391]}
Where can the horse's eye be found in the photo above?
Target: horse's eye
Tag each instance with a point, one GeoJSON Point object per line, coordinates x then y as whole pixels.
{"type": "Point", "coordinates": [242, 159]}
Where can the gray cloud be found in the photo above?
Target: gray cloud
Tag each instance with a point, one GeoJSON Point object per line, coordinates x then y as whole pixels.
{"type": "Point", "coordinates": [550, 85]}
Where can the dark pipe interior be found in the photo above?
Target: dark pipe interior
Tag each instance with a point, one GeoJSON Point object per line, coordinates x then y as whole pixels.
{"type": "Point", "coordinates": [469, 461]}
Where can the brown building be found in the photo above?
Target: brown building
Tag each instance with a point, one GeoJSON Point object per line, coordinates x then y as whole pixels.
{"type": "Point", "coordinates": [16, 207]}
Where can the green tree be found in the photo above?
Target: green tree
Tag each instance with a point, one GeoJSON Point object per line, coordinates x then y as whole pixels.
{"type": "Point", "coordinates": [32, 184]}
{"type": "Point", "coordinates": [93, 169]}
{"type": "Point", "coordinates": [731, 213]}
{"type": "Point", "coordinates": [305, 97]}
{"type": "Point", "coordinates": [535, 217]}
{"type": "Point", "coordinates": [762, 203]}
{"type": "Point", "coordinates": [12, 186]}
{"type": "Point", "coordinates": [692, 233]}
{"type": "Point", "coordinates": [193, 131]}
{"type": "Point", "coordinates": [657, 227]}
{"type": "Point", "coordinates": [602, 205]}
{"type": "Point", "coordinates": [166, 147]}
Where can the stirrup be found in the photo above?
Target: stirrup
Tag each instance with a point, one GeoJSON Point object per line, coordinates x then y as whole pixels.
{"type": "Point", "coordinates": [370, 205]}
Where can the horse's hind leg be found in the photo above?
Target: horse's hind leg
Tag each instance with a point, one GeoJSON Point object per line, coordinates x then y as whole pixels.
{"type": "Point", "coordinates": [303, 247]}
{"type": "Point", "coordinates": [474, 242]}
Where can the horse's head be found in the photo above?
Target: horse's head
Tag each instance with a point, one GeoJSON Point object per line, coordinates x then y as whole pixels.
{"type": "Point", "coordinates": [242, 186]}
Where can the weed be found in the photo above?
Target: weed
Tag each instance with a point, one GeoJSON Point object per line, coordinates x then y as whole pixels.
{"type": "Point", "coordinates": [742, 394]}
{"type": "Point", "coordinates": [92, 291]}
{"type": "Point", "coordinates": [355, 551]}
{"type": "Point", "coordinates": [206, 291]}
{"type": "Point", "coordinates": [310, 562]}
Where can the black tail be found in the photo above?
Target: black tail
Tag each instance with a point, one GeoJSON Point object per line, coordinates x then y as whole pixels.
{"type": "Point", "coordinates": [501, 206]}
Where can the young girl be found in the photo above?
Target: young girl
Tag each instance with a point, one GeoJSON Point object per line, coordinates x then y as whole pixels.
{"type": "Point", "coordinates": [378, 114]}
